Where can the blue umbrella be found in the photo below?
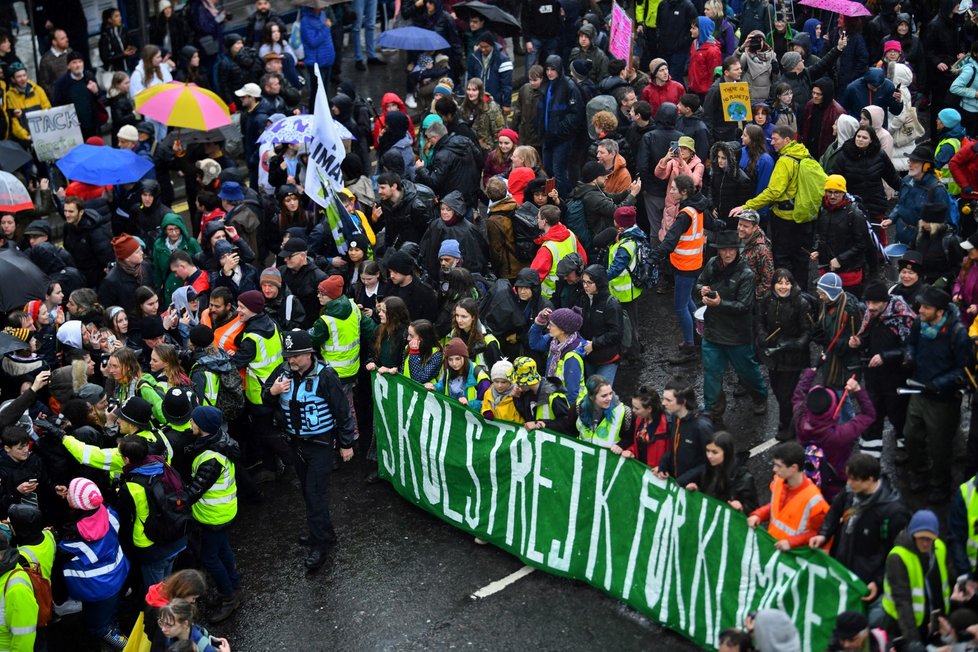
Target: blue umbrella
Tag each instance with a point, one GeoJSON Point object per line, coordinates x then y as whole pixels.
{"type": "Point", "coordinates": [103, 166]}
{"type": "Point", "coordinates": [412, 38]}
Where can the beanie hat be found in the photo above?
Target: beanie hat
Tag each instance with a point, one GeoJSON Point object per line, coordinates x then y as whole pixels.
{"type": "Point", "coordinates": [950, 117]}
{"type": "Point", "coordinates": [272, 276]}
{"type": "Point", "coordinates": [33, 308]}
{"type": "Point", "coordinates": [331, 286]}
{"type": "Point", "coordinates": [95, 141]}
{"type": "Point", "coordinates": [568, 320]}
{"type": "Point", "coordinates": [253, 300]}
{"type": "Point", "coordinates": [124, 246]}
{"type": "Point", "coordinates": [450, 248]}
{"type": "Point", "coordinates": [201, 336]}
{"type": "Point", "coordinates": [849, 624]}
{"type": "Point", "coordinates": [835, 182]}
{"type": "Point", "coordinates": [625, 217]}
{"type": "Point", "coordinates": [819, 400]}
{"type": "Point", "coordinates": [441, 88]}
{"type": "Point", "coordinates": [84, 494]}
{"type": "Point", "coordinates": [775, 632]}
{"type": "Point", "coordinates": [456, 346]}
{"type": "Point", "coordinates": [207, 418]}
{"type": "Point", "coordinates": [151, 328]}
{"type": "Point", "coordinates": [509, 133]}
{"type": "Point", "coordinates": [591, 171]}
{"type": "Point", "coordinates": [524, 371]}
{"type": "Point", "coordinates": [128, 132]}
{"type": "Point", "coordinates": [400, 262]}
{"type": "Point", "coordinates": [21, 334]}
{"type": "Point", "coordinates": [789, 60]}
{"type": "Point", "coordinates": [177, 405]}
{"type": "Point", "coordinates": [70, 334]}
{"type": "Point", "coordinates": [501, 370]}
{"type": "Point", "coordinates": [90, 393]}
{"type": "Point", "coordinates": [831, 285]}
{"type": "Point", "coordinates": [892, 45]}
{"type": "Point", "coordinates": [580, 68]}
{"type": "Point", "coordinates": [923, 521]}
{"type": "Point", "coordinates": [655, 65]}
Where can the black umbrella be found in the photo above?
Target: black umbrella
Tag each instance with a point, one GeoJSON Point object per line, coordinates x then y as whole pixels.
{"type": "Point", "coordinates": [498, 21]}
{"type": "Point", "coordinates": [23, 281]}
{"type": "Point", "coordinates": [195, 136]}
{"type": "Point", "coordinates": [10, 343]}
{"type": "Point", "coordinates": [12, 156]}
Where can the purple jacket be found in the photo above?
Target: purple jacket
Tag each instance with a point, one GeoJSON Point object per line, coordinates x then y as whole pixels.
{"type": "Point", "coordinates": [823, 430]}
{"type": "Point", "coordinates": [967, 286]}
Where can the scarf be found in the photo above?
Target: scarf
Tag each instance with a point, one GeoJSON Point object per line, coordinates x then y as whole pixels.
{"type": "Point", "coordinates": [94, 526]}
{"type": "Point", "coordinates": [897, 316]}
{"type": "Point", "coordinates": [498, 396]}
{"type": "Point", "coordinates": [557, 351]}
{"type": "Point", "coordinates": [135, 271]}
{"type": "Point", "coordinates": [930, 331]}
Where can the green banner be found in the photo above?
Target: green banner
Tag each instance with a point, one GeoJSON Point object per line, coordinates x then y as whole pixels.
{"type": "Point", "coordinates": [576, 510]}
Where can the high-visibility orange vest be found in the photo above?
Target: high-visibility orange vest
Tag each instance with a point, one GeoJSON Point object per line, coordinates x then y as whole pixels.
{"type": "Point", "coordinates": [794, 516]}
{"type": "Point", "coordinates": [688, 254]}
{"type": "Point", "coordinates": [225, 335]}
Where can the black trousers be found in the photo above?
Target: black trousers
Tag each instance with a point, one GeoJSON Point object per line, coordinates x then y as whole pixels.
{"type": "Point", "coordinates": [313, 465]}
{"type": "Point", "coordinates": [791, 243]}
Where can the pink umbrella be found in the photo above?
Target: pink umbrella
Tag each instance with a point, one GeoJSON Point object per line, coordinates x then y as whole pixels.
{"type": "Point", "coordinates": [844, 7]}
{"type": "Point", "coordinates": [176, 104]}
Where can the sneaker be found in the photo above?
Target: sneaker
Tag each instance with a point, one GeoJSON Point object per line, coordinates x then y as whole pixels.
{"type": "Point", "coordinates": [360, 65]}
{"type": "Point", "coordinates": [376, 61]}
{"type": "Point", "coordinates": [686, 353]}
{"type": "Point", "coordinates": [410, 102]}
{"type": "Point", "coordinates": [224, 609]}
{"type": "Point", "coordinates": [481, 542]}
{"type": "Point", "coordinates": [115, 640]}
{"type": "Point", "coordinates": [68, 607]}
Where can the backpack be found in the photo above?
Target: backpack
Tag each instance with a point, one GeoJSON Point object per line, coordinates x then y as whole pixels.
{"type": "Point", "coordinates": [230, 395]}
{"type": "Point", "coordinates": [811, 189]}
{"type": "Point", "coordinates": [42, 587]}
{"type": "Point", "coordinates": [525, 232]}
{"type": "Point", "coordinates": [645, 275]}
{"type": "Point", "coordinates": [575, 220]}
{"type": "Point", "coordinates": [500, 309]}
{"type": "Point", "coordinates": [169, 513]}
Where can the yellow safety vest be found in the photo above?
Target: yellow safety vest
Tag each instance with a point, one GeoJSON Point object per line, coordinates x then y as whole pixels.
{"type": "Point", "coordinates": [41, 554]}
{"type": "Point", "coordinates": [606, 433]}
{"type": "Point", "coordinates": [557, 252]}
{"type": "Point", "coordinates": [268, 356]}
{"type": "Point", "coordinates": [212, 385]}
{"type": "Point", "coordinates": [970, 495]}
{"type": "Point", "coordinates": [944, 174]}
{"type": "Point", "coordinates": [915, 573]}
{"type": "Point", "coordinates": [621, 286]}
{"type": "Point", "coordinates": [219, 504]}
{"type": "Point", "coordinates": [18, 611]}
{"type": "Point", "coordinates": [342, 348]}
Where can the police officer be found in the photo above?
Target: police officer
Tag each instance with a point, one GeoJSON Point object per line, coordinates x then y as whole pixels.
{"type": "Point", "coordinates": [316, 416]}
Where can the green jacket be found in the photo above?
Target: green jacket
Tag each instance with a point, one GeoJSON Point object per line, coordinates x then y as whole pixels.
{"type": "Point", "coordinates": [783, 185]}
{"type": "Point", "coordinates": [161, 256]}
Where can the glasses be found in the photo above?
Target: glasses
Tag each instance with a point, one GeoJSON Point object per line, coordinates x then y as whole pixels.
{"type": "Point", "coordinates": [587, 282]}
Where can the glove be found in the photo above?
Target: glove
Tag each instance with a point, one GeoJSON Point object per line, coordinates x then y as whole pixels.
{"type": "Point", "coordinates": [46, 428]}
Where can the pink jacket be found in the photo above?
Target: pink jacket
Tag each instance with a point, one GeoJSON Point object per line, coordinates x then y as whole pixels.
{"type": "Point", "coordinates": [668, 169]}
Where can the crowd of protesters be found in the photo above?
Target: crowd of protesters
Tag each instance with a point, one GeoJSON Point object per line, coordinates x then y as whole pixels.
{"type": "Point", "coordinates": [502, 218]}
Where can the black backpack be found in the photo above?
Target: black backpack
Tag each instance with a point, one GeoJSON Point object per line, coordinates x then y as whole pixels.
{"type": "Point", "coordinates": [525, 232]}
{"type": "Point", "coordinates": [169, 514]}
{"type": "Point", "coordinates": [500, 309]}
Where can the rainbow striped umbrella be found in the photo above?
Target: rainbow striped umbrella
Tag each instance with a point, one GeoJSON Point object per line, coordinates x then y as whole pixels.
{"type": "Point", "coordinates": [183, 105]}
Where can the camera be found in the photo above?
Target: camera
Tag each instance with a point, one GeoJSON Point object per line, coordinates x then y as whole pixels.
{"type": "Point", "coordinates": [712, 294]}
{"type": "Point", "coordinates": [754, 43]}
{"type": "Point", "coordinates": [113, 404]}
{"type": "Point", "coordinates": [287, 374]}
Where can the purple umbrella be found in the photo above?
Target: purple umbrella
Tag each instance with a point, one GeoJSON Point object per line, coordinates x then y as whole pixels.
{"type": "Point", "coordinates": [844, 7]}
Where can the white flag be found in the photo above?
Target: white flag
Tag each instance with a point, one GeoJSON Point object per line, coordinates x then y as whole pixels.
{"type": "Point", "coordinates": [323, 175]}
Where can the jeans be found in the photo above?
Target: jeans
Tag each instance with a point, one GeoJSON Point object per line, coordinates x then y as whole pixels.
{"type": "Point", "coordinates": [217, 558]}
{"type": "Point", "coordinates": [366, 15]}
{"type": "Point", "coordinates": [682, 303]}
{"type": "Point", "coordinates": [542, 48]}
{"type": "Point", "coordinates": [609, 371]}
{"type": "Point", "coordinates": [555, 157]}
{"type": "Point", "coordinates": [99, 616]}
{"type": "Point", "coordinates": [715, 360]}
{"type": "Point", "coordinates": [314, 464]}
{"type": "Point", "coordinates": [154, 572]}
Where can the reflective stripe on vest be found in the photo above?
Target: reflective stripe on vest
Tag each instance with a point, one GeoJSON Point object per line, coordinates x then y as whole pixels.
{"type": "Point", "coordinates": [342, 349]}
{"type": "Point", "coordinates": [793, 518]}
{"type": "Point", "coordinates": [621, 286]}
{"type": "Point", "coordinates": [605, 434]}
{"type": "Point", "coordinates": [557, 252]}
{"type": "Point", "coordinates": [944, 174]}
{"type": "Point", "coordinates": [970, 495]}
{"type": "Point", "coordinates": [219, 504]}
{"type": "Point", "coordinates": [268, 356]}
{"type": "Point", "coordinates": [225, 335]}
{"type": "Point", "coordinates": [688, 254]}
{"type": "Point", "coordinates": [304, 402]}
{"type": "Point", "coordinates": [14, 577]}
{"type": "Point", "coordinates": [569, 355]}
{"type": "Point", "coordinates": [915, 575]}
{"type": "Point", "coordinates": [212, 385]}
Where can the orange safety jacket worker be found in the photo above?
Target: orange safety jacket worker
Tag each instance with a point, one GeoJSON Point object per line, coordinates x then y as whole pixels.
{"type": "Point", "coordinates": [688, 254]}
{"type": "Point", "coordinates": [796, 517]}
{"type": "Point", "coordinates": [224, 335]}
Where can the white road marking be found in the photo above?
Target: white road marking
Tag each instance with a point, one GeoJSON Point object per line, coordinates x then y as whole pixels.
{"type": "Point", "coordinates": [760, 448]}
{"type": "Point", "coordinates": [499, 585]}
